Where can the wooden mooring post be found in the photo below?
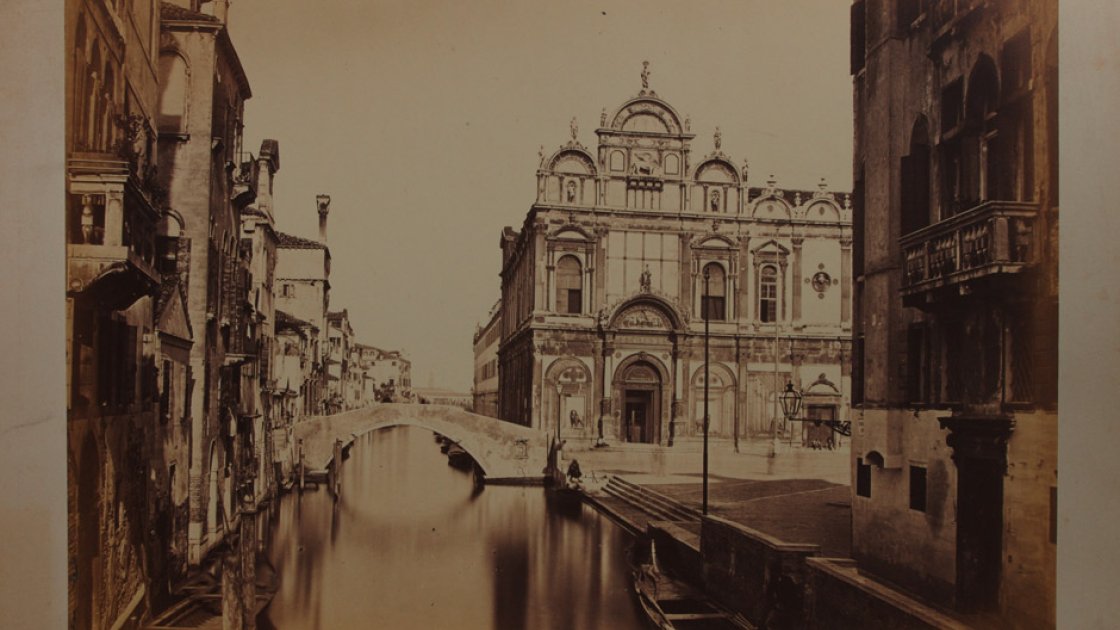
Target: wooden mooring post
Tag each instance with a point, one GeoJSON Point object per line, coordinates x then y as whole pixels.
{"type": "Point", "coordinates": [334, 477]}
{"type": "Point", "coordinates": [301, 464]}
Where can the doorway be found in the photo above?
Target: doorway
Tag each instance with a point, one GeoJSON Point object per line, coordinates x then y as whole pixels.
{"type": "Point", "coordinates": [638, 417]}
{"type": "Point", "coordinates": [979, 533]}
{"type": "Point", "coordinates": [641, 409]}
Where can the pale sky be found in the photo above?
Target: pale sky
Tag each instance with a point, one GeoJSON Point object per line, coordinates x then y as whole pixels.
{"type": "Point", "coordinates": [422, 120]}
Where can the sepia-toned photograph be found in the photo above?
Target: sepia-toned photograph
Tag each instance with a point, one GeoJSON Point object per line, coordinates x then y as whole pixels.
{"type": "Point", "coordinates": [561, 316]}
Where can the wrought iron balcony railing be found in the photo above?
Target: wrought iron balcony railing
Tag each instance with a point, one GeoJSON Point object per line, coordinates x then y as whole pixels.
{"type": "Point", "coordinates": [994, 237]}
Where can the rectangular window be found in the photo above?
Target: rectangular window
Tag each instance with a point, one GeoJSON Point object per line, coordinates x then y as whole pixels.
{"type": "Point", "coordinates": [863, 478]}
{"type": "Point", "coordinates": [918, 488]}
{"type": "Point", "coordinates": [575, 301]}
{"type": "Point", "coordinates": [952, 106]}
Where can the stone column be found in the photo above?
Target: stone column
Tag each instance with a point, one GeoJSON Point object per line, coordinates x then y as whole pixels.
{"type": "Point", "coordinates": [796, 241]}
{"type": "Point", "coordinates": [114, 218]}
{"type": "Point", "coordinates": [846, 282]}
{"type": "Point", "coordinates": [745, 279]}
{"type": "Point", "coordinates": [605, 402]}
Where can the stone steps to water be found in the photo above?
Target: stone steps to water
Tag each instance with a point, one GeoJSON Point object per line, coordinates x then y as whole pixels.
{"type": "Point", "coordinates": [681, 511]}
{"type": "Point", "coordinates": [652, 503]}
{"type": "Point", "coordinates": [637, 503]}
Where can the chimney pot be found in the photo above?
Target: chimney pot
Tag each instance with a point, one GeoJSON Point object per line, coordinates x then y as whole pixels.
{"type": "Point", "coordinates": [324, 204]}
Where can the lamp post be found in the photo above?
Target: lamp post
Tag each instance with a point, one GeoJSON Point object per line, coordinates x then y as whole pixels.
{"type": "Point", "coordinates": [704, 307]}
{"type": "Point", "coordinates": [791, 405]}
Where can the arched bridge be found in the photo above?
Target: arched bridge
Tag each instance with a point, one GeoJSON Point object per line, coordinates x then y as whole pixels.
{"type": "Point", "coordinates": [505, 452]}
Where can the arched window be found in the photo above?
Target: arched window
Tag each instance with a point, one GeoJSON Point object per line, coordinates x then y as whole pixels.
{"type": "Point", "coordinates": [105, 123]}
{"type": "Point", "coordinates": [569, 285]}
{"type": "Point", "coordinates": [980, 150]}
{"type": "Point", "coordinates": [915, 179]}
{"type": "Point", "coordinates": [173, 82]}
{"type": "Point", "coordinates": [768, 294]}
{"type": "Point", "coordinates": [713, 296]}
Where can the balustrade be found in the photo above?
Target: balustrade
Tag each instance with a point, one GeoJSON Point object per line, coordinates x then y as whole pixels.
{"type": "Point", "coordinates": [994, 237]}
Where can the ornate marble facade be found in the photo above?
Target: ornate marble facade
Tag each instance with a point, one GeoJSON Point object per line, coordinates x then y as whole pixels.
{"type": "Point", "coordinates": [603, 296]}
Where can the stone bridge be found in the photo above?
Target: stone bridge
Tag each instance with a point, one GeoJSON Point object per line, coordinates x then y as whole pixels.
{"type": "Point", "coordinates": [505, 452]}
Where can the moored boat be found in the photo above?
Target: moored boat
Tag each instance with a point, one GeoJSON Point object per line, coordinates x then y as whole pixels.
{"type": "Point", "coordinates": [674, 605]}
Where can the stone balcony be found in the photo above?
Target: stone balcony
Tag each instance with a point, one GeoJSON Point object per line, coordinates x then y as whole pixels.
{"type": "Point", "coordinates": [990, 240]}
{"type": "Point", "coordinates": [110, 234]}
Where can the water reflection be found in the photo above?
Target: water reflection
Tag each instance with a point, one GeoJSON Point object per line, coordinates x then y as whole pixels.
{"type": "Point", "coordinates": [412, 544]}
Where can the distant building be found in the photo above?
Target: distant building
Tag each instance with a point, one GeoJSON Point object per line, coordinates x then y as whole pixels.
{"type": "Point", "coordinates": [604, 298]}
{"type": "Point", "coordinates": [293, 358]}
{"type": "Point", "coordinates": [303, 270]}
{"type": "Point", "coordinates": [956, 259]}
{"type": "Point", "coordinates": [486, 340]}
{"type": "Point", "coordinates": [339, 337]}
{"type": "Point", "coordinates": [440, 396]}
{"type": "Point", "coordinates": [388, 373]}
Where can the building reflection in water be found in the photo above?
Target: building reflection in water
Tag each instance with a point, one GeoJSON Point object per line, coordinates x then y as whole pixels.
{"type": "Point", "coordinates": [412, 544]}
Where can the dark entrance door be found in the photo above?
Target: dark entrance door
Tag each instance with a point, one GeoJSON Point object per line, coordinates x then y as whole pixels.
{"type": "Point", "coordinates": [641, 403]}
{"type": "Point", "coordinates": [638, 410]}
{"type": "Point", "coordinates": [979, 532]}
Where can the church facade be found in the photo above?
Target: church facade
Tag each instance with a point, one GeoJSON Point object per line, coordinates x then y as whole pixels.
{"type": "Point", "coordinates": [627, 247]}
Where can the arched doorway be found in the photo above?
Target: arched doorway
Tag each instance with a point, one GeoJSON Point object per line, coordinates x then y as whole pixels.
{"type": "Point", "coordinates": [721, 401]}
{"type": "Point", "coordinates": [640, 388]}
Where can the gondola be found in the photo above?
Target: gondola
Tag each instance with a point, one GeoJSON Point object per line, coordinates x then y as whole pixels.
{"type": "Point", "coordinates": [674, 605]}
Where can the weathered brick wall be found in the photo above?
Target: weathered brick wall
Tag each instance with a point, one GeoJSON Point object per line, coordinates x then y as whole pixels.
{"type": "Point", "coordinates": [753, 573]}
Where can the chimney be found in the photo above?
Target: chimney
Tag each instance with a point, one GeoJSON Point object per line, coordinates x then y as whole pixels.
{"type": "Point", "coordinates": [324, 203]}
{"type": "Point", "coordinates": [217, 8]}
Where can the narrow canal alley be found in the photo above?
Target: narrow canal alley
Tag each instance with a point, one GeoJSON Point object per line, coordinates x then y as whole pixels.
{"type": "Point", "coordinates": [412, 543]}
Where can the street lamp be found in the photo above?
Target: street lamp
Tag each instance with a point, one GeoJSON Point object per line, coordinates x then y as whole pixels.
{"type": "Point", "coordinates": [791, 405]}
{"type": "Point", "coordinates": [705, 307]}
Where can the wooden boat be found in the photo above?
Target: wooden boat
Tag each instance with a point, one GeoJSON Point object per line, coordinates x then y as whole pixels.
{"type": "Point", "coordinates": [566, 496]}
{"type": "Point", "coordinates": [674, 605]}
{"type": "Point", "coordinates": [459, 458]}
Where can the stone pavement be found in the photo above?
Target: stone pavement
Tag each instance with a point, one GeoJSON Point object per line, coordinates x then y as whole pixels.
{"type": "Point", "coordinates": [800, 495]}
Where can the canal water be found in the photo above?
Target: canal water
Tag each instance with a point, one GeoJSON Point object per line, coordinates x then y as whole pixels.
{"type": "Point", "coordinates": [412, 543]}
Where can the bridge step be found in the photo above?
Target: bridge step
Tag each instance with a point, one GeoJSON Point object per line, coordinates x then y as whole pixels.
{"type": "Point", "coordinates": [653, 503]}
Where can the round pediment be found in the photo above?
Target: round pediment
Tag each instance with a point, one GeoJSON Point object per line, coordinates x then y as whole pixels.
{"type": "Point", "coordinates": [647, 115]}
{"type": "Point", "coordinates": [642, 317]}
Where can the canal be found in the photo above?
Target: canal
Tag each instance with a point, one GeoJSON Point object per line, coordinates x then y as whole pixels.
{"type": "Point", "coordinates": [411, 543]}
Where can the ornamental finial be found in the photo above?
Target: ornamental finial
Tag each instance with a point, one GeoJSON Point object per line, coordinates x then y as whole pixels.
{"type": "Point", "coordinates": [645, 75]}
{"type": "Point", "coordinates": [574, 127]}
{"type": "Point", "coordinates": [718, 138]}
